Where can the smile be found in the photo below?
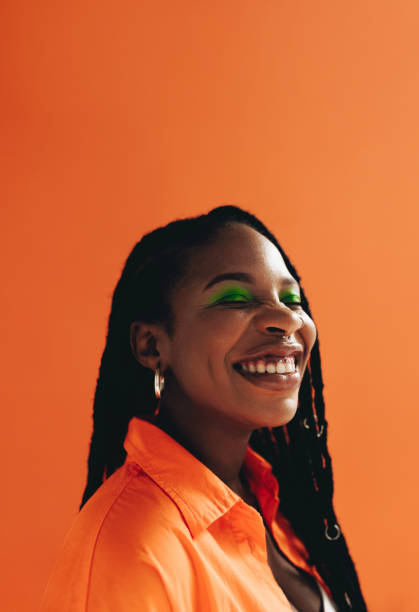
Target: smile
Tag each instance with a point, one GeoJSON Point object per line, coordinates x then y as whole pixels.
{"type": "Point", "coordinates": [281, 365]}
{"type": "Point", "coordinates": [276, 374]}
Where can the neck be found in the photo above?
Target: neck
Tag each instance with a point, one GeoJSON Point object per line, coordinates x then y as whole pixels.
{"type": "Point", "coordinates": [216, 442]}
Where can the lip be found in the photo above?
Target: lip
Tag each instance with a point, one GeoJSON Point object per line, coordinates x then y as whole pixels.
{"type": "Point", "coordinates": [278, 350]}
{"type": "Point", "coordinates": [272, 382]}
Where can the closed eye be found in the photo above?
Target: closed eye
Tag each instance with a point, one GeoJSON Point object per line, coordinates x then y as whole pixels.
{"type": "Point", "coordinates": [232, 295]}
{"type": "Point", "coordinates": [233, 298]}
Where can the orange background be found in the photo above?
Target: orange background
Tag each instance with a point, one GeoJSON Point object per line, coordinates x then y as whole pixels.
{"type": "Point", "coordinates": [121, 116]}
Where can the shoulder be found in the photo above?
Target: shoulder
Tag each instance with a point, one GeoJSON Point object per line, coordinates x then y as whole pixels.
{"type": "Point", "coordinates": [138, 516]}
{"type": "Point", "coordinates": [123, 535]}
{"type": "Point", "coordinates": [129, 512]}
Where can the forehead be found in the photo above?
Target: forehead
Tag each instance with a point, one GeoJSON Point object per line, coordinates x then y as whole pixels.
{"type": "Point", "coordinates": [236, 248]}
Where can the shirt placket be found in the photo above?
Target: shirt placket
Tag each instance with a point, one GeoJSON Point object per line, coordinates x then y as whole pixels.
{"type": "Point", "coordinates": [251, 544]}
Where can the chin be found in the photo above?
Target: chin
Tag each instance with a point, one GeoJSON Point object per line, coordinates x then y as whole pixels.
{"type": "Point", "coordinates": [279, 413]}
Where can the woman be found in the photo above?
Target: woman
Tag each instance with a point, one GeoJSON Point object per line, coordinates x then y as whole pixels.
{"type": "Point", "coordinates": [210, 484]}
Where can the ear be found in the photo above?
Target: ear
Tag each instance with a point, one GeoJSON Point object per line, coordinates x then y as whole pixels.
{"type": "Point", "coordinates": [146, 341]}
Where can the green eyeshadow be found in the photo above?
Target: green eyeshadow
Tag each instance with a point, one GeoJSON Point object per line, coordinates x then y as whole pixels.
{"type": "Point", "coordinates": [232, 293]}
{"type": "Point", "coordinates": [290, 297]}
{"type": "Point", "coordinates": [236, 293]}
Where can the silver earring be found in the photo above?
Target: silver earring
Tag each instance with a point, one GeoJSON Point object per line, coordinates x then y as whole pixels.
{"type": "Point", "coordinates": [158, 382]}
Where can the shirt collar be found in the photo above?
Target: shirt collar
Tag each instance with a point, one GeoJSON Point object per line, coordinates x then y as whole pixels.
{"type": "Point", "coordinates": [200, 495]}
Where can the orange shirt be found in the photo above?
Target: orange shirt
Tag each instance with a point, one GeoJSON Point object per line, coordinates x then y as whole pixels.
{"type": "Point", "coordinates": [164, 533]}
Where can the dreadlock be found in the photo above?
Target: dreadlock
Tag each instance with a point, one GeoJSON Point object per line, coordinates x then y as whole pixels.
{"type": "Point", "coordinates": [297, 451]}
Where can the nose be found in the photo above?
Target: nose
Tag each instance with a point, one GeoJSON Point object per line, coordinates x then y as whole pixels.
{"type": "Point", "coordinates": [278, 320]}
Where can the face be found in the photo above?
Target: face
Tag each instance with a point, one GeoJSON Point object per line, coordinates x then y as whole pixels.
{"type": "Point", "coordinates": [231, 312]}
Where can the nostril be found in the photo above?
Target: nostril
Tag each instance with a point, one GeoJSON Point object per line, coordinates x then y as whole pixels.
{"type": "Point", "coordinates": [275, 329]}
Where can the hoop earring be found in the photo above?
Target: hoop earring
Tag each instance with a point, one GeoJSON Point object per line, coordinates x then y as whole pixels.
{"type": "Point", "coordinates": [158, 382]}
{"type": "Point", "coordinates": [337, 534]}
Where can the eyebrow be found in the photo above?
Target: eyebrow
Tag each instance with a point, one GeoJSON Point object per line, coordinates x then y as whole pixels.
{"type": "Point", "coordinates": [246, 278]}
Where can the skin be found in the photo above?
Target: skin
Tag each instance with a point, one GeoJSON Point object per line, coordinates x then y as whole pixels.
{"type": "Point", "coordinates": [206, 405]}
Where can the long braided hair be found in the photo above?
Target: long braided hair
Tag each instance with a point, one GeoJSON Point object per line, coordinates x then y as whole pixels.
{"type": "Point", "coordinates": [297, 451]}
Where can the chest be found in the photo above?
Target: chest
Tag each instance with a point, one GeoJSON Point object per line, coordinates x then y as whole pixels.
{"type": "Point", "coordinates": [300, 588]}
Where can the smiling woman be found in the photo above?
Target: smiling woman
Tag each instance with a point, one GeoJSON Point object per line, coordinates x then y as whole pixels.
{"type": "Point", "coordinates": [217, 495]}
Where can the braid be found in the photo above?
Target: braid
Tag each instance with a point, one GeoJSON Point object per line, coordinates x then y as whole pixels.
{"type": "Point", "coordinates": [297, 451]}
{"type": "Point", "coordinates": [306, 485]}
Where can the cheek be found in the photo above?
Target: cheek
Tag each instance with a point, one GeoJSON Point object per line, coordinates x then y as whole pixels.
{"type": "Point", "coordinates": [309, 334]}
{"type": "Point", "coordinates": [202, 346]}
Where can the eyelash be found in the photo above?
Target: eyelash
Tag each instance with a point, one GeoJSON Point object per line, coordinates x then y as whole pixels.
{"type": "Point", "coordinates": [246, 302]}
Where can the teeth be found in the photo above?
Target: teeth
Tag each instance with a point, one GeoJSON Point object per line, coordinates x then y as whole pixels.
{"type": "Point", "coordinates": [289, 367]}
{"type": "Point", "coordinates": [280, 366]}
{"type": "Point", "coordinates": [260, 367]}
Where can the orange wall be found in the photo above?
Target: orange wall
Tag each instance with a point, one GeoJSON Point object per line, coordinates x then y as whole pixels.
{"type": "Point", "coordinates": [120, 116]}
